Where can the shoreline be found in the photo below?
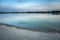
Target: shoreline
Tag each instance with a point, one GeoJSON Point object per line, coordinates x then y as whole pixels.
{"type": "Point", "coordinates": [19, 28]}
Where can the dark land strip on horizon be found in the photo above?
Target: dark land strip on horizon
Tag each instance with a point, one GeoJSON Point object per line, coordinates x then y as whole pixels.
{"type": "Point", "coordinates": [39, 12]}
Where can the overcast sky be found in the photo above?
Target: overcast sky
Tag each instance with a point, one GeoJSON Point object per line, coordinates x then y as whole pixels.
{"type": "Point", "coordinates": [29, 5]}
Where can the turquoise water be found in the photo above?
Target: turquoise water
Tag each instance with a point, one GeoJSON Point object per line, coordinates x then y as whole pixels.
{"type": "Point", "coordinates": [45, 22]}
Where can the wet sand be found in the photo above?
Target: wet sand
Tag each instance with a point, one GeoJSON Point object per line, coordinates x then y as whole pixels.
{"type": "Point", "coordinates": [12, 33]}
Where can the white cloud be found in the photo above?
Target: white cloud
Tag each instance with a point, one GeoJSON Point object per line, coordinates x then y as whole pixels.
{"type": "Point", "coordinates": [34, 6]}
{"type": "Point", "coordinates": [54, 6]}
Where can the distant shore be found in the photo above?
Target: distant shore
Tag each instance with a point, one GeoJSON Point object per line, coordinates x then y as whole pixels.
{"type": "Point", "coordinates": [39, 12]}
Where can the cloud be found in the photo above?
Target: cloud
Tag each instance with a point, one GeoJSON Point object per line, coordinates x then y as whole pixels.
{"type": "Point", "coordinates": [32, 6]}
{"type": "Point", "coordinates": [55, 6]}
{"type": "Point", "coordinates": [37, 7]}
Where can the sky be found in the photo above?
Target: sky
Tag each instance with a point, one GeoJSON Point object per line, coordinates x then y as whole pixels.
{"type": "Point", "coordinates": [29, 5]}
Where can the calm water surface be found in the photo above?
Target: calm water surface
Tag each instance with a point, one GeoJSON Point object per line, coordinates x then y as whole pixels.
{"type": "Point", "coordinates": [32, 21]}
{"type": "Point", "coordinates": [45, 22]}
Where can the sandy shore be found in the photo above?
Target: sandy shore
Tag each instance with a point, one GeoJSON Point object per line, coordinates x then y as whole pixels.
{"type": "Point", "coordinates": [12, 33]}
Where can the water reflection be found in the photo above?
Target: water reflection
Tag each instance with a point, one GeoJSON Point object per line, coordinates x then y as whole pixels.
{"type": "Point", "coordinates": [39, 22]}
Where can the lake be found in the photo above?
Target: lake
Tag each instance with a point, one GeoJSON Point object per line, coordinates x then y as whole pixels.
{"type": "Point", "coordinates": [20, 26]}
{"type": "Point", "coordinates": [33, 21]}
